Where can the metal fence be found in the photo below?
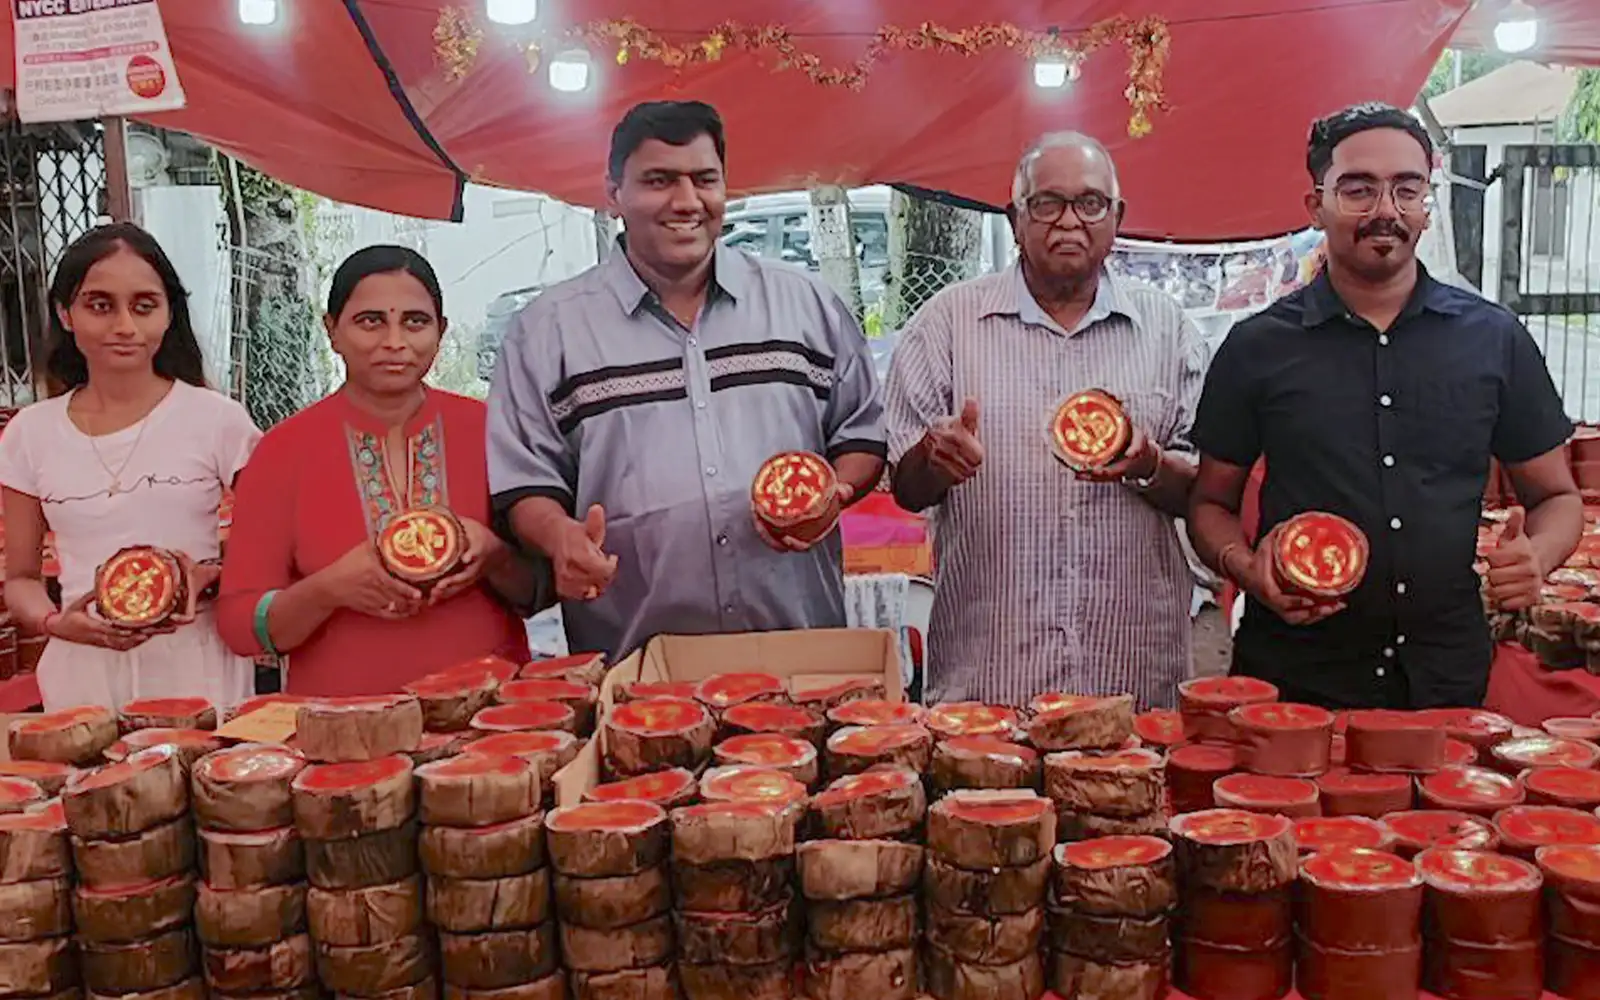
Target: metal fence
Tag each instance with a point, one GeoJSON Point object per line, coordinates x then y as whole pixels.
{"type": "Point", "coordinates": [278, 360]}
{"type": "Point", "coordinates": [52, 189]}
{"type": "Point", "coordinates": [1549, 261]}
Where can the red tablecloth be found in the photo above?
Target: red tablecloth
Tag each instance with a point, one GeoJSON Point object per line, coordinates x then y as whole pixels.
{"type": "Point", "coordinates": [1524, 691]}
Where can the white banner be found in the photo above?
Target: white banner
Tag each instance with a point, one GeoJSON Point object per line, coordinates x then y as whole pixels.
{"type": "Point", "coordinates": [79, 59]}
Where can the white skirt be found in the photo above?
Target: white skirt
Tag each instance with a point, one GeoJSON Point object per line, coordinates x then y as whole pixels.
{"type": "Point", "coordinates": [191, 662]}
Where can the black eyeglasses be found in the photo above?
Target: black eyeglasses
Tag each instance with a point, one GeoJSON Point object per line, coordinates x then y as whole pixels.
{"type": "Point", "coordinates": [1047, 206]}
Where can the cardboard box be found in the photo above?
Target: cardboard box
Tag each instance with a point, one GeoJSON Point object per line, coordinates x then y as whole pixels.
{"type": "Point", "coordinates": [807, 658]}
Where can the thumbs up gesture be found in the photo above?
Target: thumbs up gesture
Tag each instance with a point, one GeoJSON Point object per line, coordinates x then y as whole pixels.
{"type": "Point", "coordinates": [953, 446]}
{"type": "Point", "coordinates": [1514, 576]}
{"type": "Point", "coordinates": [583, 570]}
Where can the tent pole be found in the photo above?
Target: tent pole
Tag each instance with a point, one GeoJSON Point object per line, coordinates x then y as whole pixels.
{"type": "Point", "coordinates": [119, 192]}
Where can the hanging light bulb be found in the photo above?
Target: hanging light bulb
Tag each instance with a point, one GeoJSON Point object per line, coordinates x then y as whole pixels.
{"type": "Point", "coordinates": [1052, 72]}
{"type": "Point", "coordinates": [511, 11]}
{"type": "Point", "coordinates": [258, 13]}
{"type": "Point", "coordinates": [1518, 28]}
{"type": "Point", "coordinates": [569, 71]}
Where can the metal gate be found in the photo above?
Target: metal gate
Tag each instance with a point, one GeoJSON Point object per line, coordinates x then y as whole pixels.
{"type": "Point", "coordinates": [52, 190]}
{"type": "Point", "coordinates": [1549, 261]}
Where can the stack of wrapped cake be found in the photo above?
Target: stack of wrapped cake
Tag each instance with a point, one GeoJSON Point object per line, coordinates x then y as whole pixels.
{"type": "Point", "coordinates": [1109, 934]}
{"type": "Point", "coordinates": [495, 930]}
{"type": "Point", "coordinates": [988, 853]}
{"type": "Point", "coordinates": [251, 908]}
{"type": "Point", "coordinates": [612, 903]}
{"type": "Point", "coordinates": [36, 953]}
{"type": "Point", "coordinates": [1235, 936]}
{"type": "Point", "coordinates": [737, 923]}
{"type": "Point", "coordinates": [133, 845]}
{"type": "Point", "coordinates": [356, 816]}
{"type": "Point", "coordinates": [859, 878]}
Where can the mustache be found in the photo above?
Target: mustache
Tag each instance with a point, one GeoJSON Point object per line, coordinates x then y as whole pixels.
{"type": "Point", "coordinates": [1383, 227]}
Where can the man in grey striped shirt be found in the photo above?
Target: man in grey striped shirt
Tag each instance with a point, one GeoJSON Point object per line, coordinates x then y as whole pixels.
{"type": "Point", "coordinates": [1046, 580]}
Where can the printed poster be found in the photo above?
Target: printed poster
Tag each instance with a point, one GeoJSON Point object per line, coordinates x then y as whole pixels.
{"type": "Point", "coordinates": [80, 59]}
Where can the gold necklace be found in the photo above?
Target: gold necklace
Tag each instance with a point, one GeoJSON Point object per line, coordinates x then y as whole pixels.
{"type": "Point", "coordinates": [116, 474]}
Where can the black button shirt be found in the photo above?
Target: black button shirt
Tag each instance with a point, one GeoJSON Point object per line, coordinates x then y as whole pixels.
{"type": "Point", "coordinates": [1394, 431]}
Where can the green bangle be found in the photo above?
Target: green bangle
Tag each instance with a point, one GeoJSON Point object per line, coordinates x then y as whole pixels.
{"type": "Point", "coordinates": [263, 632]}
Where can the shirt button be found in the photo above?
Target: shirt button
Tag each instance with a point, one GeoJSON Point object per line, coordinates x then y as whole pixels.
{"type": "Point", "coordinates": [1388, 460]}
{"type": "Point", "coordinates": [1399, 640]}
{"type": "Point", "coordinates": [1380, 672]}
{"type": "Point", "coordinates": [699, 404]}
{"type": "Point", "coordinates": [711, 470]}
{"type": "Point", "coordinates": [1388, 652]}
{"type": "Point", "coordinates": [728, 608]}
{"type": "Point", "coordinates": [1394, 522]}
{"type": "Point", "coordinates": [1400, 588]}
{"type": "Point", "coordinates": [722, 539]}
{"type": "Point", "coordinates": [1385, 400]}
{"type": "Point", "coordinates": [692, 342]}
{"type": "Point", "coordinates": [1383, 340]}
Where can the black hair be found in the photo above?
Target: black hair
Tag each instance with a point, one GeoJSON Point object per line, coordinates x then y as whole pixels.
{"type": "Point", "coordinates": [382, 258]}
{"type": "Point", "coordinates": [676, 123]}
{"type": "Point", "coordinates": [1327, 133]}
{"type": "Point", "coordinates": [178, 357]}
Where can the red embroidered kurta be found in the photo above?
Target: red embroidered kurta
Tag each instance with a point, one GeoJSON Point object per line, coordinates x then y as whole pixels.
{"type": "Point", "coordinates": [315, 488]}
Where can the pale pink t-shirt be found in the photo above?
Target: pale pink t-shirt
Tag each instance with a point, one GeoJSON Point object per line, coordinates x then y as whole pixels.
{"type": "Point", "coordinates": [171, 467]}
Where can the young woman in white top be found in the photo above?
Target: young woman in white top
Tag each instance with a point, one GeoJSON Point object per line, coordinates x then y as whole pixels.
{"type": "Point", "coordinates": [136, 452]}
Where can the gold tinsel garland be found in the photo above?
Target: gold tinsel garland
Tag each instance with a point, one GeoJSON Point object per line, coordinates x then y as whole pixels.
{"type": "Point", "coordinates": [458, 37]}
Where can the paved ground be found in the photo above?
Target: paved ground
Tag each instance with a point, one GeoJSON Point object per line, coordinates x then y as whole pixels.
{"type": "Point", "coordinates": [1212, 645]}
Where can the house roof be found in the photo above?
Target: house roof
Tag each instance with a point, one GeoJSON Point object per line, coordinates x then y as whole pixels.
{"type": "Point", "coordinates": [1518, 93]}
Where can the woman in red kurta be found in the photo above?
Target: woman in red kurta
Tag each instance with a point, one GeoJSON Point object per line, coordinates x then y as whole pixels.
{"type": "Point", "coordinates": [301, 576]}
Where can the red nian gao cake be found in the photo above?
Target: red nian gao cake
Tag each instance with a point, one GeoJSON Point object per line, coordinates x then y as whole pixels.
{"type": "Point", "coordinates": [141, 587]}
{"type": "Point", "coordinates": [1192, 771]}
{"type": "Point", "coordinates": [1475, 790]}
{"type": "Point", "coordinates": [795, 494]}
{"type": "Point", "coordinates": [1417, 830]}
{"type": "Point", "coordinates": [1293, 797]}
{"type": "Point", "coordinates": [1161, 727]}
{"type": "Point", "coordinates": [668, 789]}
{"type": "Point", "coordinates": [875, 712]}
{"type": "Point", "coordinates": [983, 762]}
{"type": "Point", "coordinates": [1481, 916]}
{"type": "Point", "coordinates": [1517, 754]}
{"type": "Point", "coordinates": [1476, 726]}
{"type": "Point", "coordinates": [1573, 787]}
{"type": "Point", "coordinates": [1322, 833]}
{"type": "Point", "coordinates": [1387, 741]}
{"type": "Point", "coordinates": [1205, 702]}
{"type": "Point", "coordinates": [1090, 430]}
{"type": "Point", "coordinates": [1319, 555]}
{"type": "Point", "coordinates": [790, 754]}
{"type": "Point", "coordinates": [1524, 829]}
{"type": "Point", "coordinates": [971, 718]}
{"type": "Point", "coordinates": [653, 734]}
{"type": "Point", "coordinates": [1287, 740]}
{"type": "Point", "coordinates": [772, 717]}
{"type": "Point", "coordinates": [1572, 903]}
{"type": "Point", "coordinates": [422, 546]}
{"type": "Point", "coordinates": [1348, 793]}
{"type": "Point", "coordinates": [1359, 926]}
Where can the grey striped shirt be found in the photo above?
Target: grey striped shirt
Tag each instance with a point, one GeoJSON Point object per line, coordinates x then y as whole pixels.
{"type": "Point", "coordinates": [1043, 582]}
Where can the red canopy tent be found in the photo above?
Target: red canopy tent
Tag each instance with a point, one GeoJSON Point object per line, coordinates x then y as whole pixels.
{"type": "Point", "coordinates": [353, 99]}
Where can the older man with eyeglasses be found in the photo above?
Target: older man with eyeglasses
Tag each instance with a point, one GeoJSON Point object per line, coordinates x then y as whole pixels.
{"type": "Point", "coordinates": [1379, 394]}
{"type": "Point", "coordinates": [1047, 580]}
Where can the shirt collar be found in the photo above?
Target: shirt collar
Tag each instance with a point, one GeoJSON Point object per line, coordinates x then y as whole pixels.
{"type": "Point", "coordinates": [1322, 302]}
{"type": "Point", "coordinates": [727, 277]}
{"type": "Point", "coordinates": [1016, 300]}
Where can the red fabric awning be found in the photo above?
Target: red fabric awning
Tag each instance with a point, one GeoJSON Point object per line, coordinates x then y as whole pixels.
{"type": "Point", "coordinates": [348, 99]}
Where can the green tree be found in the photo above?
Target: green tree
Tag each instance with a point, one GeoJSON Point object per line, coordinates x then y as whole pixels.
{"type": "Point", "coordinates": [1473, 65]}
{"type": "Point", "coordinates": [274, 318]}
{"type": "Point", "coordinates": [1581, 122]}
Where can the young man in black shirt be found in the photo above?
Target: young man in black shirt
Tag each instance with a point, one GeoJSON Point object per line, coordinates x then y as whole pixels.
{"type": "Point", "coordinates": [1379, 394]}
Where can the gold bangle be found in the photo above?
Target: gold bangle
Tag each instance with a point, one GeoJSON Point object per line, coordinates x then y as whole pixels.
{"type": "Point", "coordinates": [1222, 562]}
